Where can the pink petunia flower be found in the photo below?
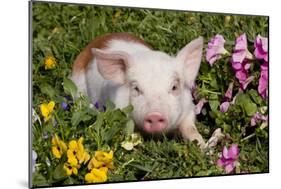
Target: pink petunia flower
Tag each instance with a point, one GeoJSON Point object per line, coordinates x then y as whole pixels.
{"type": "Point", "coordinates": [241, 51]}
{"type": "Point", "coordinates": [263, 81]}
{"type": "Point", "coordinates": [229, 158]}
{"type": "Point", "coordinates": [194, 92]}
{"type": "Point", "coordinates": [261, 48]}
{"type": "Point", "coordinates": [246, 82]}
{"type": "Point", "coordinates": [258, 117]}
{"type": "Point", "coordinates": [215, 49]}
{"type": "Point", "coordinates": [224, 106]}
{"type": "Point", "coordinates": [240, 61]}
{"type": "Point", "coordinates": [227, 97]}
{"type": "Point", "coordinates": [198, 107]}
{"type": "Point", "coordinates": [228, 93]}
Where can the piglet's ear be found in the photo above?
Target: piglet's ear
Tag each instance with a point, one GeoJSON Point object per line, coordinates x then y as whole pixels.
{"type": "Point", "coordinates": [191, 56]}
{"type": "Point", "coordinates": [112, 65]}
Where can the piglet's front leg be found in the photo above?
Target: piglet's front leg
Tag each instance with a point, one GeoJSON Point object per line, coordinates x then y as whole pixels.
{"type": "Point", "coordinates": [189, 131]}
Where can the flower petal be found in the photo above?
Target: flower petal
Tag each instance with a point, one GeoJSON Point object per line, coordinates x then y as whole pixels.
{"type": "Point", "coordinates": [73, 145]}
{"type": "Point", "coordinates": [127, 145]}
{"type": "Point", "coordinates": [247, 82]}
{"type": "Point", "coordinates": [261, 48]}
{"type": "Point", "coordinates": [241, 75]}
{"type": "Point", "coordinates": [228, 93]}
{"type": "Point", "coordinates": [225, 152]}
{"type": "Point", "coordinates": [220, 162]}
{"type": "Point", "coordinates": [228, 168]}
{"type": "Point", "coordinates": [224, 106]}
{"type": "Point", "coordinates": [199, 106]}
{"type": "Point", "coordinates": [233, 151]}
{"type": "Point", "coordinates": [51, 105]}
{"type": "Point", "coordinates": [215, 49]}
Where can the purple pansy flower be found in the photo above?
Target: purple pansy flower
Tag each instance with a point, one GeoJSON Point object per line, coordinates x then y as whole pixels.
{"type": "Point", "coordinates": [64, 105]}
{"type": "Point", "coordinates": [68, 97]}
{"type": "Point", "coordinates": [98, 106]}
{"type": "Point", "coordinates": [33, 162]}
{"type": "Point", "coordinates": [258, 117]}
{"type": "Point", "coordinates": [67, 103]}
{"type": "Point", "coordinates": [198, 107]}
{"type": "Point", "coordinates": [215, 49]}
{"type": "Point", "coordinates": [240, 61]}
{"type": "Point", "coordinates": [261, 48]}
{"type": "Point", "coordinates": [229, 158]}
{"type": "Point", "coordinates": [263, 81]}
{"type": "Point", "coordinates": [103, 108]}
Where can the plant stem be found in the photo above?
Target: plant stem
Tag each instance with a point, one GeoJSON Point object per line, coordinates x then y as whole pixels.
{"type": "Point", "coordinates": [248, 137]}
{"type": "Point", "coordinates": [127, 163]}
{"type": "Point", "coordinates": [204, 90]}
{"type": "Point", "coordinates": [60, 124]}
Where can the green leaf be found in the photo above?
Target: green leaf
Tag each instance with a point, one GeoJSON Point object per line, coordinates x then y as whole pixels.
{"type": "Point", "coordinates": [214, 84]}
{"type": "Point", "coordinates": [109, 105]}
{"type": "Point", "coordinates": [110, 133]}
{"type": "Point", "coordinates": [214, 105]}
{"type": "Point", "coordinates": [70, 181]}
{"type": "Point", "coordinates": [250, 108]}
{"type": "Point", "coordinates": [140, 167]}
{"type": "Point", "coordinates": [255, 96]}
{"type": "Point", "coordinates": [244, 101]}
{"type": "Point", "coordinates": [69, 87]}
{"type": "Point", "coordinates": [128, 109]}
{"type": "Point", "coordinates": [77, 117]}
{"type": "Point", "coordinates": [99, 121]}
{"type": "Point", "coordinates": [38, 180]}
{"type": "Point", "coordinates": [130, 126]}
{"type": "Point", "coordinates": [48, 90]}
{"type": "Point", "coordinates": [86, 118]}
{"type": "Point", "coordinates": [59, 172]}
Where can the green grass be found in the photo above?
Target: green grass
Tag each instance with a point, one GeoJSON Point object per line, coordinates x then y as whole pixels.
{"type": "Point", "coordinates": [62, 31]}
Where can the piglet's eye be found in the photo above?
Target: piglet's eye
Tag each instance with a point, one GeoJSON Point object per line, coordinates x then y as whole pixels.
{"type": "Point", "coordinates": [136, 89]}
{"type": "Point", "coordinates": [174, 88]}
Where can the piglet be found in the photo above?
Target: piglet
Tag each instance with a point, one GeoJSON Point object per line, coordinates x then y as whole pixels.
{"type": "Point", "coordinates": [126, 70]}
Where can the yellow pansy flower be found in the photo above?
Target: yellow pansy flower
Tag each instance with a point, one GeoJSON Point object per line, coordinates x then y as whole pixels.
{"type": "Point", "coordinates": [58, 147]}
{"type": "Point", "coordinates": [50, 62]}
{"type": "Point", "coordinates": [69, 169]}
{"type": "Point", "coordinates": [97, 175]}
{"type": "Point", "coordinates": [101, 159]}
{"type": "Point", "coordinates": [76, 152]}
{"type": "Point", "coordinates": [71, 158]}
{"type": "Point", "coordinates": [47, 109]}
{"type": "Point", "coordinates": [104, 156]}
{"type": "Point", "coordinates": [82, 155]}
{"type": "Point", "coordinates": [94, 163]}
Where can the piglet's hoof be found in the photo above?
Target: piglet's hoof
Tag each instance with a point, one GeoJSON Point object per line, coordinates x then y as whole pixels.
{"type": "Point", "coordinates": [216, 137]}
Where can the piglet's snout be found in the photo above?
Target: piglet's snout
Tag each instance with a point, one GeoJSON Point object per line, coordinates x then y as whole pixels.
{"type": "Point", "coordinates": [154, 122]}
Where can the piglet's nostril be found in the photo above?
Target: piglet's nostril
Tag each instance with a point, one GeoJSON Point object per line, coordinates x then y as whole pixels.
{"type": "Point", "coordinates": [149, 121]}
{"type": "Point", "coordinates": [161, 120]}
